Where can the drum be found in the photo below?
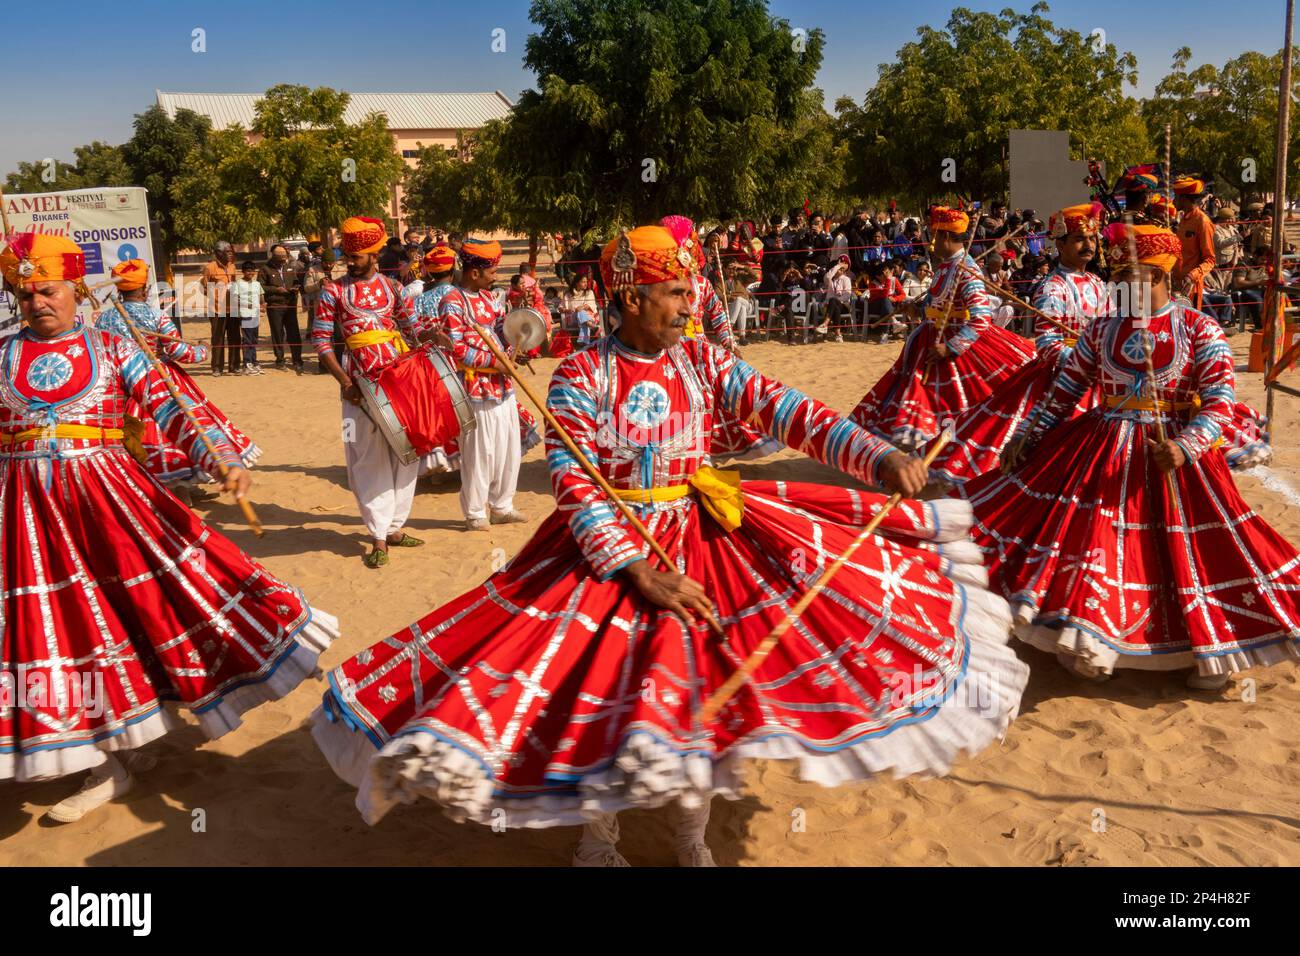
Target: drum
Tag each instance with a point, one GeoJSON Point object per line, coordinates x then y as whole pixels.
{"type": "Point", "coordinates": [418, 403]}
{"type": "Point", "coordinates": [525, 329]}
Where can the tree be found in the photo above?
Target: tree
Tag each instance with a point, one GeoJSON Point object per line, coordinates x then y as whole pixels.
{"type": "Point", "coordinates": [313, 168]}
{"type": "Point", "coordinates": [97, 164]}
{"type": "Point", "coordinates": [156, 154]}
{"type": "Point", "coordinates": [211, 200]}
{"type": "Point", "coordinates": [309, 171]}
{"type": "Point", "coordinates": [955, 95]}
{"type": "Point", "coordinates": [1223, 121]}
{"type": "Point", "coordinates": [650, 107]}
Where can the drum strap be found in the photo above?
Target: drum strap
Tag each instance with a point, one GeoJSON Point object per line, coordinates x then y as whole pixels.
{"type": "Point", "coordinates": [374, 337]}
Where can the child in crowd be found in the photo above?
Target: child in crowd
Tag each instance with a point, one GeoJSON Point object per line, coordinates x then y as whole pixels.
{"type": "Point", "coordinates": [246, 297]}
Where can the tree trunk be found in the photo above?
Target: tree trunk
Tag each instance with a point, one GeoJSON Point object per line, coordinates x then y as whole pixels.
{"type": "Point", "coordinates": [532, 250]}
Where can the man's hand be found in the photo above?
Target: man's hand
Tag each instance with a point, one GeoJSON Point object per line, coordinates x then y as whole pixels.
{"type": "Point", "coordinates": [351, 393]}
{"type": "Point", "coordinates": [1167, 454]}
{"type": "Point", "coordinates": [1013, 455]}
{"type": "Point", "coordinates": [238, 480]}
{"type": "Point", "coordinates": [668, 589]}
{"type": "Point", "coordinates": [903, 473]}
{"type": "Point", "coordinates": [939, 352]}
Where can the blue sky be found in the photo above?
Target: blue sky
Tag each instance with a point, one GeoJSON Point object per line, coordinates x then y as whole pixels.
{"type": "Point", "coordinates": [103, 62]}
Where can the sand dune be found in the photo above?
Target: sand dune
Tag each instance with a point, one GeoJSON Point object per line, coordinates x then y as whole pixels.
{"type": "Point", "coordinates": [1175, 778]}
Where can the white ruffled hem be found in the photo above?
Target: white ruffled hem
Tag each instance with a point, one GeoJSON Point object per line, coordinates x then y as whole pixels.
{"type": "Point", "coordinates": [1092, 657]}
{"type": "Point", "coordinates": [215, 721]}
{"type": "Point", "coordinates": [646, 772]}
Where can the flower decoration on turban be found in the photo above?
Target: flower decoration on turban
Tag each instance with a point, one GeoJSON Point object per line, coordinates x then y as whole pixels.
{"type": "Point", "coordinates": [945, 219]}
{"type": "Point", "coordinates": [32, 257]}
{"type": "Point", "coordinates": [683, 230]}
{"type": "Point", "coordinates": [645, 256]}
{"type": "Point", "coordinates": [363, 235]}
{"type": "Point", "coordinates": [131, 275]}
{"type": "Point", "coordinates": [479, 254]}
{"type": "Point", "coordinates": [1155, 245]}
{"type": "Point", "coordinates": [1084, 219]}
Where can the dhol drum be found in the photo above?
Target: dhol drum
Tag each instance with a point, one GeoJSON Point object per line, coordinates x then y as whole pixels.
{"type": "Point", "coordinates": [418, 403]}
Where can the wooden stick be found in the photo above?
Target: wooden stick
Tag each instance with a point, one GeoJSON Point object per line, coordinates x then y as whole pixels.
{"type": "Point", "coordinates": [1008, 294]}
{"type": "Point", "coordinates": [722, 275]}
{"type": "Point", "coordinates": [244, 504]}
{"type": "Point", "coordinates": [714, 704]}
{"type": "Point", "coordinates": [489, 339]}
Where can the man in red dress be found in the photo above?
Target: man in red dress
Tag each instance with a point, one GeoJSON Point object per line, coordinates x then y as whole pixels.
{"type": "Point", "coordinates": [116, 597]}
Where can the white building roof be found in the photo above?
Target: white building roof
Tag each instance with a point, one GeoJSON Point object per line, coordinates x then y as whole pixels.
{"type": "Point", "coordinates": [404, 110]}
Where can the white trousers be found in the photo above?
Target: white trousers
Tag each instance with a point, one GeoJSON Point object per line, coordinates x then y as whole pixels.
{"type": "Point", "coordinates": [489, 459]}
{"type": "Point", "coordinates": [384, 487]}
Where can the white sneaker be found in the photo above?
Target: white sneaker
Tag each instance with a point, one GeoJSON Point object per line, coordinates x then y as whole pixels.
{"type": "Point", "coordinates": [508, 517]}
{"type": "Point", "coordinates": [476, 524]}
{"type": "Point", "coordinates": [603, 855]}
{"type": "Point", "coordinates": [97, 789]}
{"type": "Point", "coordinates": [698, 854]}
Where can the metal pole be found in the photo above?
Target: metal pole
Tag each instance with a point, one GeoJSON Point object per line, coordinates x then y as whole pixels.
{"type": "Point", "coordinates": [1279, 205]}
{"type": "Point", "coordinates": [1169, 169]}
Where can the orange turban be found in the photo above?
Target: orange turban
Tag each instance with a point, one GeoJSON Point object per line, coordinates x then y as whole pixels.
{"type": "Point", "coordinates": [439, 259]}
{"type": "Point", "coordinates": [130, 275]}
{"type": "Point", "coordinates": [645, 256]}
{"type": "Point", "coordinates": [1160, 205]}
{"type": "Point", "coordinates": [1188, 186]}
{"type": "Point", "coordinates": [1084, 219]}
{"type": "Point", "coordinates": [361, 234]}
{"type": "Point", "coordinates": [948, 220]}
{"type": "Point", "coordinates": [479, 254]}
{"type": "Point", "coordinates": [32, 257]}
{"type": "Point", "coordinates": [1156, 246]}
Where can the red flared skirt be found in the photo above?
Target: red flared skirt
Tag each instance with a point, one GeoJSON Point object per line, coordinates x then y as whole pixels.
{"type": "Point", "coordinates": [1100, 559]}
{"type": "Point", "coordinates": [117, 598]}
{"type": "Point", "coordinates": [546, 694]}
{"type": "Point", "coordinates": [911, 402]}
{"type": "Point", "coordinates": [167, 462]}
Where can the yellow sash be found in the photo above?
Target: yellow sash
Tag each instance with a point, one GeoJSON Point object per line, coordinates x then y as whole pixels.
{"type": "Point", "coordinates": [62, 431]}
{"type": "Point", "coordinates": [375, 337]}
{"type": "Point", "coordinates": [719, 491]}
{"type": "Point", "coordinates": [1149, 405]}
{"type": "Point", "coordinates": [936, 314]}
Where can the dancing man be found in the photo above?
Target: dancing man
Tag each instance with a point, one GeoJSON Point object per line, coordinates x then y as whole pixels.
{"type": "Point", "coordinates": [732, 438]}
{"type": "Point", "coordinates": [164, 460]}
{"type": "Point", "coordinates": [116, 596]}
{"type": "Point", "coordinates": [490, 452]}
{"type": "Point", "coordinates": [1120, 538]}
{"type": "Point", "coordinates": [1073, 297]}
{"type": "Point", "coordinates": [376, 320]}
{"type": "Point", "coordinates": [567, 686]}
{"type": "Point", "coordinates": [954, 359]}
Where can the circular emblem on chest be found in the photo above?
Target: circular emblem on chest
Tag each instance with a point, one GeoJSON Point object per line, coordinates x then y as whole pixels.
{"type": "Point", "coordinates": [1137, 345]}
{"type": "Point", "coordinates": [646, 405]}
{"type": "Point", "coordinates": [48, 372]}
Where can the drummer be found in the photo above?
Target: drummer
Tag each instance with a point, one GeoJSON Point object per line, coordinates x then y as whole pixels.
{"type": "Point", "coordinates": [377, 319]}
{"type": "Point", "coordinates": [489, 453]}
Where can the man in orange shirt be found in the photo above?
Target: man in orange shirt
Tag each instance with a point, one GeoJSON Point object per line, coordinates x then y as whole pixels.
{"type": "Point", "coordinates": [1196, 235]}
{"type": "Point", "coordinates": [224, 321]}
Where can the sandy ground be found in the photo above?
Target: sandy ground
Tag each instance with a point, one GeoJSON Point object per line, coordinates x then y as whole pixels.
{"type": "Point", "coordinates": [1176, 778]}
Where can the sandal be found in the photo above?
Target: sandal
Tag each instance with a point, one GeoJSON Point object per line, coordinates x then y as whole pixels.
{"type": "Point", "coordinates": [407, 541]}
{"type": "Point", "coordinates": [376, 559]}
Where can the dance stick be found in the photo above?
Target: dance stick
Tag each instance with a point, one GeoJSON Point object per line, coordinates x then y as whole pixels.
{"type": "Point", "coordinates": [489, 339]}
{"type": "Point", "coordinates": [1008, 294]}
{"type": "Point", "coordinates": [722, 274]}
{"type": "Point", "coordinates": [244, 504]}
{"type": "Point", "coordinates": [710, 708]}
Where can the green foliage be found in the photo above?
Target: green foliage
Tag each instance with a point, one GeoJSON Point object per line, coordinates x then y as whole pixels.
{"type": "Point", "coordinates": [156, 154]}
{"type": "Point", "coordinates": [213, 199]}
{"type": "Point", "coordinates": [957, 93]}
{"type": "Point", "coordinates": [96, 164]}
{"type": "Point", "coordinates": [1221, 118]}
